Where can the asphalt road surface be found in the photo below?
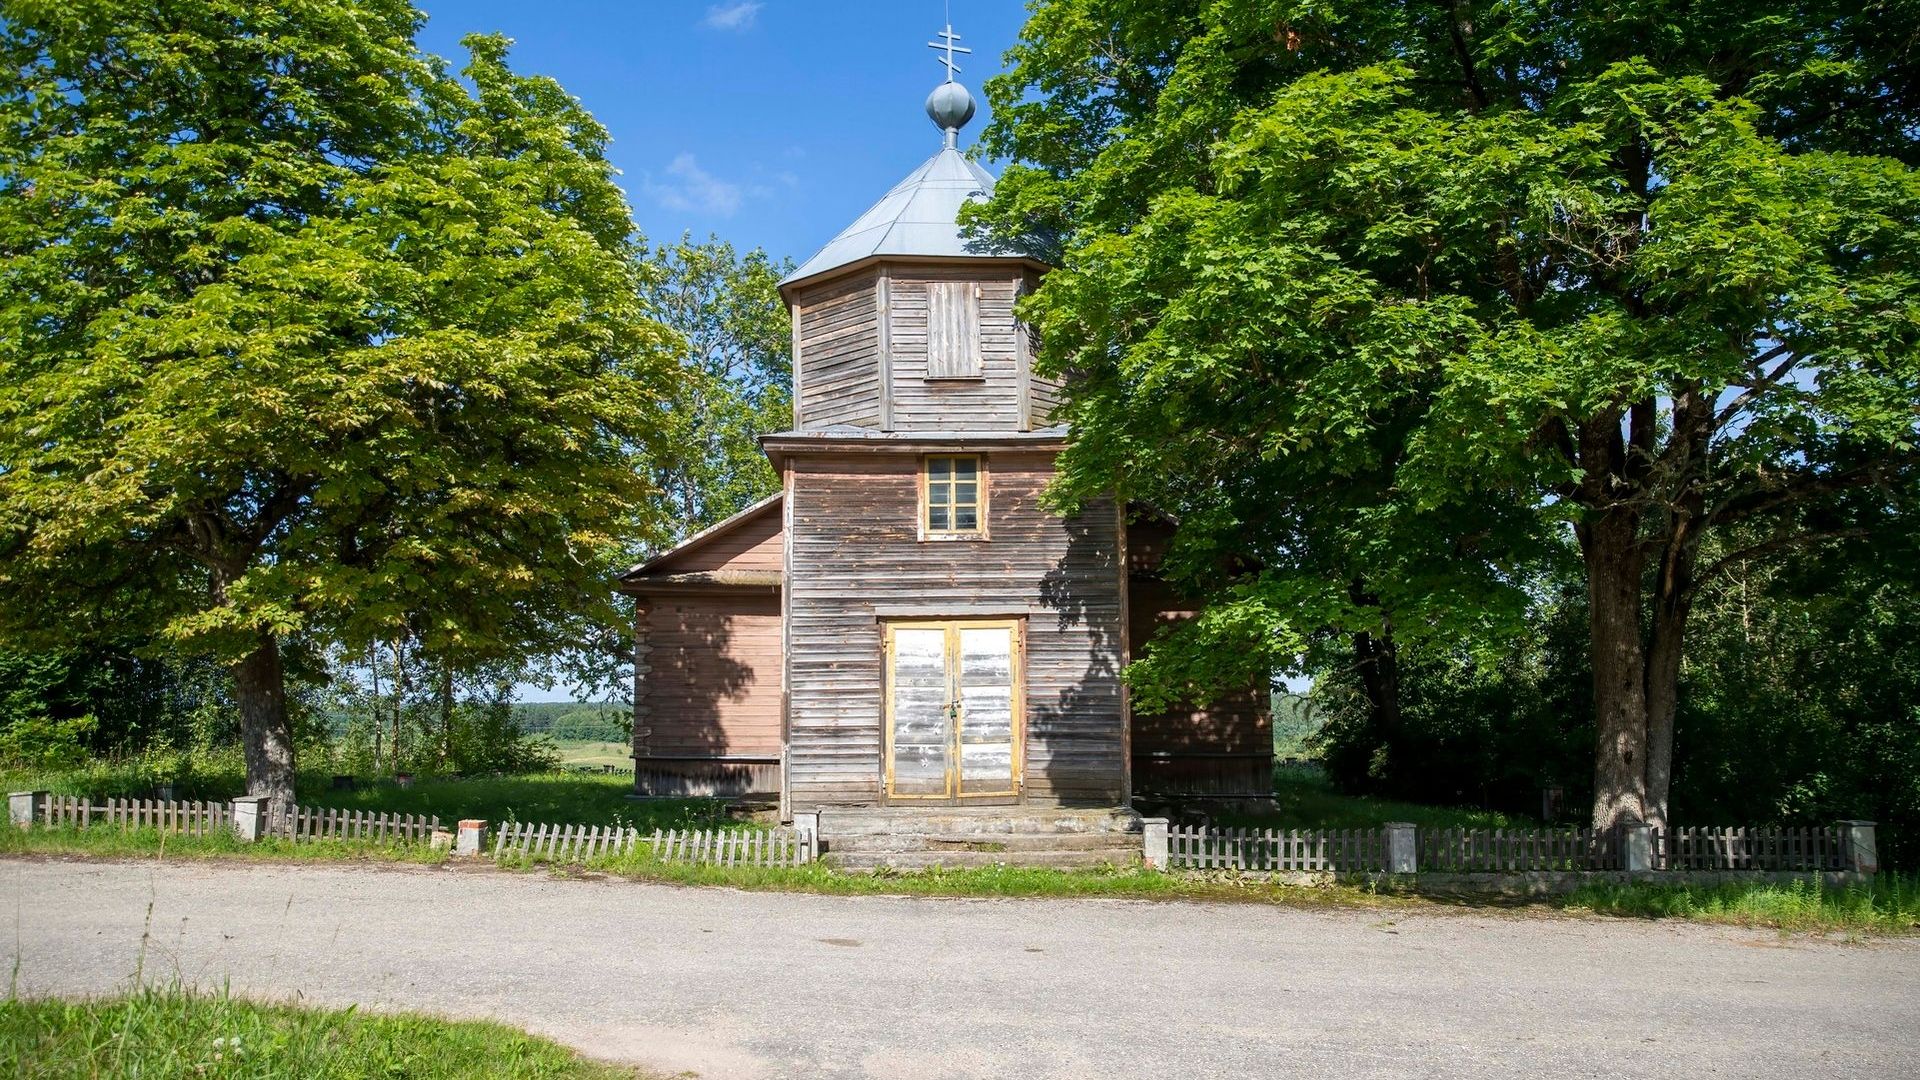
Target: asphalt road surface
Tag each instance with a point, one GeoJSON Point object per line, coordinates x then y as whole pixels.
{"type": "Point", "coordinates": [734, 986]}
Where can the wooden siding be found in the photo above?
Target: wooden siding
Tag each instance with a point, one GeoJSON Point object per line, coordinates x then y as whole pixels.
{"type": "Point", "coordinates": [924, 402]}
{"type": "Point", "coordinates": [1043, 394]}
{"type": "Point", "coordinates": [837, 336]}
{"type": "Point", "coordinates": [862, 345]}
{"type": "Point", "coordinates": [856, 558]}
{"type": "Point", "coordinates": [753, 543]}
{"type": "Point", "coordinates": [710, 684]}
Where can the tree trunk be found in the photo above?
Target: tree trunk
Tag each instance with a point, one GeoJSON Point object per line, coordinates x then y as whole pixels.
{"type": "Point", "coordinates": [1609, 544]}
{"type": "Point", "coordinates": [266, 735]}
{"type": "Point", "coordinates": [446, 714]}
{"type": "Point", "coordinates": [401, 687]}
{"type": "Point", "coordinates": [1378, 661]}
{"type": "Point", "coordinates": [1672, 602]}
{"type": "Point", "coordinates": [373, 666]}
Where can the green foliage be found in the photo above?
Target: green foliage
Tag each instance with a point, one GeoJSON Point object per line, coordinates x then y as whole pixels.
{"type": "Point", "coordinates": [460, 725]}
{"type": "Point", "coordinates": [576, 722]}
{"type": "Point", "coordinates": [1475, 726]}
{"type": "Point", "coordinates": [1796, 705]}
{"type": "Point", "coordinates": [169, 1032]}
{"type": "Point", "coordinates": [1304, 798]}
{"type": "Point", "coordinates": [1381, 302]}
{"type": "Point", "coordinates": [304, 337]}
{"type": "Point", "coordinates": [40, 741]}
{"type": "Point", "coordinates": [737, 382]}
{"type": "Point", "coordinates": [1799, 701]}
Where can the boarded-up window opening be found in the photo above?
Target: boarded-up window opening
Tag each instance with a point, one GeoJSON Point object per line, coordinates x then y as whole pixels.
{"type": "Point", "coordinates": [953, 330]}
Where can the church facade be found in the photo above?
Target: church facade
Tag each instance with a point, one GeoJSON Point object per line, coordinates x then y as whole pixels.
{"type": "Point", "coordinates": [905, 623]}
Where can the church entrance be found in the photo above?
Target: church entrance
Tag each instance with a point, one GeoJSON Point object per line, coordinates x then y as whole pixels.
{"type": "Point", "coordinates": [953, 723]}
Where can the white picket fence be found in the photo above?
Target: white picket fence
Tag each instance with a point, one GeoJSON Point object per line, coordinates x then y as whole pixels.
{"type": "Point", "coordinates": [1821, 848]}
{"type": "Point", "coordinates": [1319, 850]}
{"type": "Point", "coordinates": [189, 817]}
{"type": "Point", "coordinates": [547, 842]}
{"type": "Point", "coordinates": [1518, 850]}
{"type": "Point", "coordinates": [1507, 851]}
{"type": "Point", "coordinates": [325, 823]}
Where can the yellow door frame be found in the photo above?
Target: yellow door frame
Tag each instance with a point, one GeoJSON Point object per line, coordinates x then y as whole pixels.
{"type": "Point", "coordinates": [1017, 688]}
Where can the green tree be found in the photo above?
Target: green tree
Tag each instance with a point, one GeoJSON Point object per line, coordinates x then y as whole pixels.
{"type": "Point", "coordinates": [300, 335]}
{"type": "Point", "coordinates": [738, 384]}
{"type": "Point", "coordinates": [1646, 272]}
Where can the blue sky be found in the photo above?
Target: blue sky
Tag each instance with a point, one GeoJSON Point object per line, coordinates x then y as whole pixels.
{"type": "Point", "coordinates": [770, 124]}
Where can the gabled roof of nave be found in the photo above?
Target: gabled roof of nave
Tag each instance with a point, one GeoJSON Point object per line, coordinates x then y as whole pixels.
{"type": "Point", "coordinates": [919, 217]}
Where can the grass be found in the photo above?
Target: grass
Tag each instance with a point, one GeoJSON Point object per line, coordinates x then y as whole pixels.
{"type": "Point", "coordinates": [1128, 882]}
{"type": "Point", "coordinates": [165, 1033]}
{"type": "Point", "coordinates": [564, 798]}
{"type": "Point", "coordinates": [113, 842]}
{"type": "Point", "coordinates": [583, 752]}
{"type": "Point", "coordinates": [1889, 905]}
{"type": "Point", "coordinates": [561, 798]}
{"type": "Point", "coordinates": [1304, 799]}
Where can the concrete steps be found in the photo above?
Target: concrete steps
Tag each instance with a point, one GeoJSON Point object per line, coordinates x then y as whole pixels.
{"type": "Point", "coordinates": [915, 838]}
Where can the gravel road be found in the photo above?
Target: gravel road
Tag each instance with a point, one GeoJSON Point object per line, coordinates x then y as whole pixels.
{"type": "Point", "coordinates": [735, 986]}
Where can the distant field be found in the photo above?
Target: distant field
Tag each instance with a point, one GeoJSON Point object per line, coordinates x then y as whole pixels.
{"type": "Point", "coordinates": [594, 752]}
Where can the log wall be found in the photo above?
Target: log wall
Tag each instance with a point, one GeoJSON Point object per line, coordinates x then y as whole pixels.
{"type": "Point", "coordinates": [922, 403]}
{"type": "Point", "coordinates": [837, 354]}
{"type": "Point", "coordinates": [710, 684]}
{"type": "Point", "coordinates": [856, 559]}
{"type": "Point", "coordinates": [861, 354]}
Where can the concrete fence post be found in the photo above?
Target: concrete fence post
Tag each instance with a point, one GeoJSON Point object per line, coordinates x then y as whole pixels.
{"type": "Point", "coordinates": [467, 841]}
{"type": "Point", "coordinates": [1862, 848]}
{"type": "Point", "coordinates": [26, 807]}
{"type": "Point", "coordinates": [1403, 853]}
{"type": "Point", "coordinates": [250, 817]}
{"type": "Point", "coordinates": [1636, 847]}
{"type": "Point", "coordinates": [1153, 841]}
{"type": "Point", "coordinates": [806, 825]}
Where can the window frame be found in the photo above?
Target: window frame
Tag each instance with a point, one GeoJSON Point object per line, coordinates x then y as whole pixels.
{"type": "Point", "coordinates": [924, 484]}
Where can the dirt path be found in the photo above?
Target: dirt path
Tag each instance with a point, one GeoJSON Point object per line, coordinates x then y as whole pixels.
{"type": "Point", "coordinates": [742, 985]}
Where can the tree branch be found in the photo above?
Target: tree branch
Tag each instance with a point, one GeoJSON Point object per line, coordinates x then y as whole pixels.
{"type": "Point", "coordinates": [1773, 547]}
{"type": "Point", "coordinates": [1465, 54]}
{"type": "Point", "coordinates": [1766, 382]}
{"type": "Point", "coordinates": [1805, 486]}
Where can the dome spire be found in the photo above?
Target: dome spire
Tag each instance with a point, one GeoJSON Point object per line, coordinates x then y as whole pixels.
{"type": "Point", "coordinates": [950, 106]}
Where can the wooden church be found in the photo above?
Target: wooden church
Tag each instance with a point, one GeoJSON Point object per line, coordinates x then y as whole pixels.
{"type": "Point", "coordinates": [905, 624]}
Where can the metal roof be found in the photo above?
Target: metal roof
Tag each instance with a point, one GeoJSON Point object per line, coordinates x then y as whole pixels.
{"type": "Point", "coordinates": [919, 217]}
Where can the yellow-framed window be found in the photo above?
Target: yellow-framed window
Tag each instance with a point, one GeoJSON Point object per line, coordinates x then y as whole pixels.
{"type": "Point", "coordinates": [953, 502]}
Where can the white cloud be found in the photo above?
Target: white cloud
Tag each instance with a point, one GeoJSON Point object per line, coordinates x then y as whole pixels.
{"type": "Point", "coordinates": [690, 188]}
{"type": "Point", "coordinates": [739, 16]}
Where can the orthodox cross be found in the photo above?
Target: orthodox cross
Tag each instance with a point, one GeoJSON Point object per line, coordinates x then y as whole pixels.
{"type": "Point", "coordinates": [949, 48]}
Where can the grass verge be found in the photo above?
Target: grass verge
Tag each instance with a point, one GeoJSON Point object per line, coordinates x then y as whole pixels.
{"type": "Point", "coordinates": [1132, 882]}
{"type": "Point", "coordinates": [562, 798]}
{"type": "Point", "coordinates": [1889, 905]}
{"type": "Point", "coordinates": [113, 842]}
{"type": "Point", "coordinates": [171, 1032]}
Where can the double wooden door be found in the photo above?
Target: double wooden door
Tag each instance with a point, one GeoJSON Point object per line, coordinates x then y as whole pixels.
{"type": "Point", "coordinates": [953, 722]}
